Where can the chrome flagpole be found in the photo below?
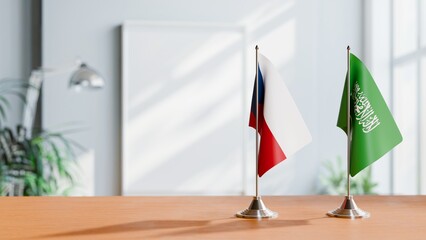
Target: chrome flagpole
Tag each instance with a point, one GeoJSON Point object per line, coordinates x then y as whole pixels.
{"type": "Point", "coordinates": [348, 209]}
{"type": "Point", "coordinates": [257, 208]}
{"type": "Point", "coordinates": [257, 121]}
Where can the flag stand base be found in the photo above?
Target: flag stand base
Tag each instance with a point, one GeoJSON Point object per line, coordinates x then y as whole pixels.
{"type": "Point", "coordinates": [349, 209]}
{"type": "Point", "coordinates": [257, 209]}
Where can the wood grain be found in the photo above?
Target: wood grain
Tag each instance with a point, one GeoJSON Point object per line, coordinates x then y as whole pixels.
{"type": "Point", "coordinates": [392, 217]}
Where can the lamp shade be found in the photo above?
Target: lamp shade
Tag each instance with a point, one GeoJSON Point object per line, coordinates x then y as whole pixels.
{"type": "Point", "coordinates": [86, 77]}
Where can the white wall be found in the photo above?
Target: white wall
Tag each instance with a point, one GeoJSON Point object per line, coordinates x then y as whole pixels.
{"type": "Point", "coordinates": [15, 47]}
{"type": "Point", "coordinates": [394, 54]}
{"type": "Point", "coordinates": [305, 39]}
{"type": "Point", "coordinates": [340, 24]}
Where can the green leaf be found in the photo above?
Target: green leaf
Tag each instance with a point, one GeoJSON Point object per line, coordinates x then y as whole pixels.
{"type": "Point", "coordinates": [4, 101]}
{"type": "Point", "coordinates": [2, 113]}
{"type": "Point", "coordinates": [30, 182]}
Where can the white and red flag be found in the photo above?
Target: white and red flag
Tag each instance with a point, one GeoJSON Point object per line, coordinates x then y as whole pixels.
{"type": "Point", "coordinates": [281, 126]}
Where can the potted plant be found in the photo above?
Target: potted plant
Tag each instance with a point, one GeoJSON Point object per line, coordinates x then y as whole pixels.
{"type": "Point", "coordinates": [34, 165]}
{"type": "Point", "coordinates": [334, 180]}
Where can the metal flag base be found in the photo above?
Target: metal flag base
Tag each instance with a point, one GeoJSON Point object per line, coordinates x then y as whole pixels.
{"type": "Point", "coordinates": [257, 209]}
{"type": "Point", "coordinates": [349, 209]}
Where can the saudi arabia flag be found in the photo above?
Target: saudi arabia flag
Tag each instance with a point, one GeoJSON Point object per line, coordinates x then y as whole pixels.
{"type": "Point", "coordinates": [374, 131]}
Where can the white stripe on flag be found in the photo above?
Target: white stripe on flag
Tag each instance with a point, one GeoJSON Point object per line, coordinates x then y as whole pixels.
{"type": "Point", "coordinates": [280, 111]}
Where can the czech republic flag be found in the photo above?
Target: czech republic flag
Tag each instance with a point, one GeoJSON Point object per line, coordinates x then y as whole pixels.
{"type": "Point", "coordinates": [281, 126]}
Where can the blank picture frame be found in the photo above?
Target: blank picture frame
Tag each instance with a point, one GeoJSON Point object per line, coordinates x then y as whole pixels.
{"type": "Point", "coordinates": [184, 109]}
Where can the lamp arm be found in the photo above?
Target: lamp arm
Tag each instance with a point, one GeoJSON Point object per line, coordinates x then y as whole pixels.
{"type": "Point", "coordinates": [31, 100]}
{"type": "Point", "coordinates": [33, 93]}
{"type": "Point", "coordinates": [48, 71]}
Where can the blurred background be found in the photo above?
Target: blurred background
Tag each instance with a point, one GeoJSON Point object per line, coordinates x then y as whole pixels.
{"type": "Point", "coordinates": [172, 116]}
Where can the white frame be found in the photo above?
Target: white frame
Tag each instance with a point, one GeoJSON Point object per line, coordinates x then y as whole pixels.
{"type": "Point", "coordinates": [124, 84]}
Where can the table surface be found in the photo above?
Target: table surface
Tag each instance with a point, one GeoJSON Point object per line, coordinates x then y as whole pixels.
{"type": "Point", "coordinates": [300, 217]}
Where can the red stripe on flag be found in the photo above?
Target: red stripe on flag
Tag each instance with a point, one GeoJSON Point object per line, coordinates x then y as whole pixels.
{"type": "Point", "coordinates": [270, 152]}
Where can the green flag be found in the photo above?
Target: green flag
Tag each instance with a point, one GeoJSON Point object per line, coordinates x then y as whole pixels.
{"type": "Point", "coordinates": [374, 131]}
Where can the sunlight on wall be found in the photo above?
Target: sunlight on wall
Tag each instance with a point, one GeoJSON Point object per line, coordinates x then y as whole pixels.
{"type": "Point", "coordinates": [204, 52]}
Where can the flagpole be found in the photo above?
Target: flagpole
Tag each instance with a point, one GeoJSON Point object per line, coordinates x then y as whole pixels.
{"type": "Point", "coordinates": [348, 119]}
{"type": "Point", "coordinates": [348, 209]}
{"type": "Point", "coordinates": [257, 208]}
{"type": "Point", "coordinates": [257, 121]}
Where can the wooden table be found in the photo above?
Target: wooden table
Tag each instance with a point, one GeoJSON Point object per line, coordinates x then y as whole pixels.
{"type": "Point", "coordinates": [207, 218]}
